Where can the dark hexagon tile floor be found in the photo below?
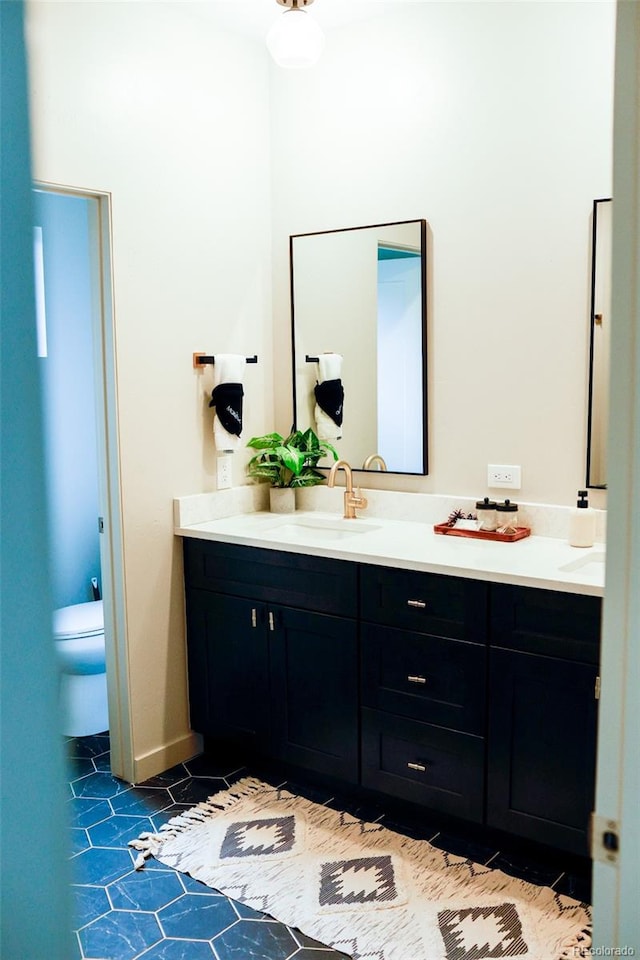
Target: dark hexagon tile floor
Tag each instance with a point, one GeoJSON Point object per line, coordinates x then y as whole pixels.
{"type": "Point", "coordinates": [156, 913]}
{"type": "Point", "coordinates": [160, 914]}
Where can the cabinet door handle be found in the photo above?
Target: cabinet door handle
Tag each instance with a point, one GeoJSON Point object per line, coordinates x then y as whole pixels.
{"type": "Point", "coordinates": [416, 679]}
{"type": "Point", "coordinates": [271, 623]}
{"type": "Point", "coordinates": [421, 767]}
{"type": "Point", "coordinates": [420, 604]}
{"type": "Point", "coordinates": [254, 617]}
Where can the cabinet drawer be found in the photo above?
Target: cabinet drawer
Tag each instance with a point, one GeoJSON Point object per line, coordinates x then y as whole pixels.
{"type": "Point", "coordinates": [433, 679]}
{"type": "Point", "coordinates": [427, 602]}
{"type": "Point", "coordinates": [292, 579]}
{"type": "Point", "coordinates": [563, 625]}
{"type": "Point", "coordinates": [428, 765]}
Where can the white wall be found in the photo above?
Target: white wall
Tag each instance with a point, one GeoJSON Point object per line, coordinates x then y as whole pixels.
{"type": "Point", "coordinates": [492, 121]}
{"type": "Point", "coordinates": [150, 102]}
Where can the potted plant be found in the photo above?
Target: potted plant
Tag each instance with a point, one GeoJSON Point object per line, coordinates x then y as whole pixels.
{"type": "Point", "coordinates": [288, 463]}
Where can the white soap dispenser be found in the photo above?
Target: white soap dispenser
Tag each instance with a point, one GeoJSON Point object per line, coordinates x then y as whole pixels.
{"type": "Point", "coordinates": [582, 523]}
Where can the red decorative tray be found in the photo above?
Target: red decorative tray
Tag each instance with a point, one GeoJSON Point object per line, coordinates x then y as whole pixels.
{"type": "Point", "coordinates": [520, 534]}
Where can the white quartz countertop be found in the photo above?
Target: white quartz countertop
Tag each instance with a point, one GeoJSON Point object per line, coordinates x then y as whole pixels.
{"type": "Point", "coordinates": [543, 562]}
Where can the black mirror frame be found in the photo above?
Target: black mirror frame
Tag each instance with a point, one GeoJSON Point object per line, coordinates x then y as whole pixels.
{"type": "Point", "coordinates": [423, 281]}
{"type": "Point", "coordinates": [592, 332]}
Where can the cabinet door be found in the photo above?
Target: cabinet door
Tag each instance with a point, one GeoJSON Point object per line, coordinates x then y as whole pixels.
{"type": "Point", "coordinates": [542, 736]}
{"type": "Point", "coordinates": [228, 667]}
{"type": "Point", "coordinates": [314, 690]}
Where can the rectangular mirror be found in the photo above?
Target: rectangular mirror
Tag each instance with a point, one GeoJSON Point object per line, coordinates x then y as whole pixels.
{"type": "Point", "coordinates": [358, 307]}
{"type": "Point", "coordinates": [598, 412]}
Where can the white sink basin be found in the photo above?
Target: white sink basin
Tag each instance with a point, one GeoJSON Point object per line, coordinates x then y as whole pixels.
{"type": "Point", "coordinates": [320, 529]}
{"type": "Point", "coordinates": [587, 564]}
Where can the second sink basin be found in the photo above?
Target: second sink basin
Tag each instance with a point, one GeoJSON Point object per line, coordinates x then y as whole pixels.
{"type": "Point", "coordinates": [586, 564]}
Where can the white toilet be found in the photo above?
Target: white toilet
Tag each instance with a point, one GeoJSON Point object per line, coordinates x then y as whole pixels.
{"type": "Point", "coordinates": [78, 633]}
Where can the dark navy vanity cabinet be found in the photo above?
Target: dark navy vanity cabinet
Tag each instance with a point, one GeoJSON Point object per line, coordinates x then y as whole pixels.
{"type": "Point", "coordinates": [273, 653]}
{"type": "Point", "coordinates": [474, 700]}
{"type": "Point", "coordinates": [543, 688]}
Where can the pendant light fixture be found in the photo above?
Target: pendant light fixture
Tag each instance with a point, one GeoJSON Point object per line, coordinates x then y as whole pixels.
{"type": "Point", "coordinates": [295, 40]}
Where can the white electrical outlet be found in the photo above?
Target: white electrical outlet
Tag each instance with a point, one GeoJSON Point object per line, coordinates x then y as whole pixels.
{"type": "Point", "coordinates": [223, 466]}
{"type": "Point", "coordinates": [500, 475]}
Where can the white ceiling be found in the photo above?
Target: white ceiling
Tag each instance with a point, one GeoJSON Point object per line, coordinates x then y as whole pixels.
{"type": "Point", "coordinates": [254, 17]}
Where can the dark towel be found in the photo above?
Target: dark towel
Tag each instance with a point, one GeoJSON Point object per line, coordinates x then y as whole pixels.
{"type": "Point", "coordinates": [227, 399]}
{"type": "Point", "coordinates": [330, 398]}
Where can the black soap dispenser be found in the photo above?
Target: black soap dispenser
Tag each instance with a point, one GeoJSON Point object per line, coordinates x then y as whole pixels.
{"type": "Point", "coordinates": [582, 523]}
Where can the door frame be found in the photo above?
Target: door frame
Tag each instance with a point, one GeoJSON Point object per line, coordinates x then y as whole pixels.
{"type": "Point", "coordinates": [615, 883]}
{"type": "Point", "coordinates": [109, 483]}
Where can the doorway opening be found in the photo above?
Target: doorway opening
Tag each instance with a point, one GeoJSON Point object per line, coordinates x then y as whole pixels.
{"type": "Point", "coordinates": [76, 346]}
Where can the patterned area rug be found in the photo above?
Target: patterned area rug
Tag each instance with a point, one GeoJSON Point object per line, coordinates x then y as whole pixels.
{"type": "Point", "coordinates": [361, 888]}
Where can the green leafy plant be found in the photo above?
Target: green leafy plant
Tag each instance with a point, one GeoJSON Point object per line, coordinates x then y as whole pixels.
{"type": "Point", "coordinates": [289, 462]}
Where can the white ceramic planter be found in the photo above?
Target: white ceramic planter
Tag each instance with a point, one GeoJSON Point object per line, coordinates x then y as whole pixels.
{"type": "Point", "coordinates": [282, 499]}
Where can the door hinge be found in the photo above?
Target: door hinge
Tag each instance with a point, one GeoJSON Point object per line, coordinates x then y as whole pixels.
{"type": "Point", "coordinates": [596, 692]}
{"type": "Point", "coordinates": [604, 839]}
{"type": "Point", "coordinates": [100, 524]}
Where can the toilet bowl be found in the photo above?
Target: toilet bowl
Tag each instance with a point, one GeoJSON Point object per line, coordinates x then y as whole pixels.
{"type": "Point", "coordinates": [78, 633]}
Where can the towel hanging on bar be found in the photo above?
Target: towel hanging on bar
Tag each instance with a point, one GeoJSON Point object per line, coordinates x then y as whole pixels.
{"type": "Point", "coordinates": [329, 394]}
{"type": "Point", "coordinates": [226, 397]}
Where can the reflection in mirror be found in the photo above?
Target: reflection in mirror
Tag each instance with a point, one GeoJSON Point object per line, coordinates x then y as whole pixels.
{"type": "Point", "coordinates": [598, 413]}
{"type": "Point", "coordinates": [358, 306]}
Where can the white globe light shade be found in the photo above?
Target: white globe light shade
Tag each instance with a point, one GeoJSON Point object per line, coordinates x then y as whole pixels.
{"type": "Point", "coordinates": [295, 39]}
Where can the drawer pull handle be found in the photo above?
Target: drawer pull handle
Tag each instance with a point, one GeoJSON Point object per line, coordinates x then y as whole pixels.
{"type": "Point", "coordinates": [421, 767]}
{"type": "Point", "coordinates": [271, 623]}
{"type": "Point", "coordinates": [420, 604]}
{"type": "Point", "coordinates": [254, 617]}
{"type": "Point", "coordinates": [416, 679]}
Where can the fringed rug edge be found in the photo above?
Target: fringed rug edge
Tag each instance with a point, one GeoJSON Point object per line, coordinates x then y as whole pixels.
{"type": "Point", "coordinates": [149, 844]}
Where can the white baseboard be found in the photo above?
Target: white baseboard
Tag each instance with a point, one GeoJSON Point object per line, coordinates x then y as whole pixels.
{"type": "Point", "coordinates": [168, 755]}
